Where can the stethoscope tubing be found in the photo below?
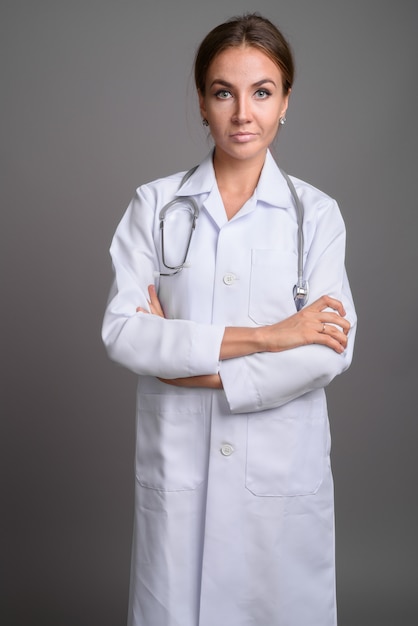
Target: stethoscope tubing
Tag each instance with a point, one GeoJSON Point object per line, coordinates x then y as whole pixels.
{"type": "Point", "coordinates": [300, 290]}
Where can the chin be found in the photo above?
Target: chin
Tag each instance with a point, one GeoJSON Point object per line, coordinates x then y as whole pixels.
{"type": "Point", "coordinates": [245, 152]}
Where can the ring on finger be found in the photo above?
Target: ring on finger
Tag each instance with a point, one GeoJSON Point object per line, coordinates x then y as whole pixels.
{"type": "Point", "coordinates": [323, 328]}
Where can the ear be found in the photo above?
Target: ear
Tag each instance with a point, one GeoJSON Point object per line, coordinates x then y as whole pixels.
{"type": "Point", "coordinates": [285, 104]}
{"type": "Point", "coordinates": [202, 106]}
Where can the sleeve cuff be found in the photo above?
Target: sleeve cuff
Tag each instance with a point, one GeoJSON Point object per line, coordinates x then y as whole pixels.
{"type": "Point", "coordinates": [205, 349]}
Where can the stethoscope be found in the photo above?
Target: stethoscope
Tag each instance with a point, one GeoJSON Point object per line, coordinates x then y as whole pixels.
{"type": "Point", "coordinates": [300, 290]}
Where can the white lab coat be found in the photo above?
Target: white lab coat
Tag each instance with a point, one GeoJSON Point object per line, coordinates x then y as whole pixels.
{"type": "Point", "coordinates": [234, 519]}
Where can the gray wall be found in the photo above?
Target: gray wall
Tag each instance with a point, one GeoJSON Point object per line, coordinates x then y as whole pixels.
{"type": "Point", "coordinates": [96, 98]}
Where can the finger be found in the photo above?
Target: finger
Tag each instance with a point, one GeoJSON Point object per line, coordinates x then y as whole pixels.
{"type": "Point", "coordinates": [329, 318]}
{"type": "Point", "coordinates": [335, 304]}
{"type": "Point", "coordinates": [154, 302]}
{"type": "Point", "coordinates": [333, 338]}
{"type": "Point", "coordinates": [139, 309]}
{"type": "Point", "coordinates": [335, 343]}
{"type": "Point", "coordinates": [325, 302]}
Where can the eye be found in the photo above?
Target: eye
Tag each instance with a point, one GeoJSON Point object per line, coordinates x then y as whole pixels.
{"type": "Point", "coordinates": [223, 94]}
{"type": "Point", "coordinates": [262, 94]}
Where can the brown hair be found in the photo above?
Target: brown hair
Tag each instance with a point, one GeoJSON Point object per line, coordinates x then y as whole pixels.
{"type": "Point", "coordinates": [249, 30]}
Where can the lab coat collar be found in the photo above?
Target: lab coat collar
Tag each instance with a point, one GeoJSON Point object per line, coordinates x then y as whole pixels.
{"type": "Point", "coordinates": [201, 181]}
{"type": "Point", "coordinates": [272, 188]}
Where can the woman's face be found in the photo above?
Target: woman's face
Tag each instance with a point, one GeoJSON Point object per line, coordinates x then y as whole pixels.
{"type": "Point", "coordinates": [243, 103]}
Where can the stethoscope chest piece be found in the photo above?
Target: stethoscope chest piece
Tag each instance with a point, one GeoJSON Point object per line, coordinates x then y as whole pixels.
{"type": "Point", "coordinates": [301, 294]}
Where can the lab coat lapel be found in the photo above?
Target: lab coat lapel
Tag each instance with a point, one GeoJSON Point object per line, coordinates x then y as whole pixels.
{"type": "Point", "coordinates": [272, 190]}
{"type": "Point", "coordinates": [272, 187]}
{"type": "Point", "coordinates": [202, 185]}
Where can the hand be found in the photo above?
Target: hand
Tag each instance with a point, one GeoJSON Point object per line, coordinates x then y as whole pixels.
{"type": "Point", "coordinates": [313, 324]}
{"type": "Point", "coordinates": [155, 307]}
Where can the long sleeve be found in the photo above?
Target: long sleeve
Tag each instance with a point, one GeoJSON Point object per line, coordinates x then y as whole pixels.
{"type": "Point", "coordinates": [148, 344]}
{"type": "Point", "coordinates": [266, 380]}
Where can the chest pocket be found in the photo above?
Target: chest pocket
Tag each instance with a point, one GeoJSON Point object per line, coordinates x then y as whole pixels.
{"type": "Point", "coordinates": [273, 276]}
{"type": "Point", "coordinates": [287, 450]}
{"type": "Point", "coordinates": [170, 446]}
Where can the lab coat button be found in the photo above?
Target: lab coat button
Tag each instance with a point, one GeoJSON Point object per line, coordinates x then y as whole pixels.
{"type": "Point", "coordinates": [229, 279]}
{"type": "Point", "coordinates": [227, 449]}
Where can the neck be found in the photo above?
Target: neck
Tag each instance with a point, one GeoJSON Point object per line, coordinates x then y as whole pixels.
{"type": "Point", "coordinates": [238, 176]}
{"type": "Point", "coordinates": [237, 180]}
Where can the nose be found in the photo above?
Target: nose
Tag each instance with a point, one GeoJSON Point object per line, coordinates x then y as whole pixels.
{"type": "Point", "coordinates": [242, 112]}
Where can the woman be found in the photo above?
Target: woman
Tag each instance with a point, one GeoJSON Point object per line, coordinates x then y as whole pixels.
{"type": "Point", "coordinates": [234, 521]}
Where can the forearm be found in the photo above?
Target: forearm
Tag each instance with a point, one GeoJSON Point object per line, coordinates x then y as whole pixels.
{"type": "Point", "coordinates": [241, 341]}
{"type": "Point", "coordinates": [316, 323]}
{"type": "Point", "coordinates": [210, 381]}
{"type": "Point", "coordinates": [267, 380]}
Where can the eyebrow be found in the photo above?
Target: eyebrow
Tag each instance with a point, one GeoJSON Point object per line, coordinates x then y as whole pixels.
{"type": "Point", "coordinates": [225, 83]}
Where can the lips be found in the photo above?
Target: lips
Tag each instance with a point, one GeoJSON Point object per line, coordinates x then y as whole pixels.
{"type": "Point", "coordinates": [242, 137]}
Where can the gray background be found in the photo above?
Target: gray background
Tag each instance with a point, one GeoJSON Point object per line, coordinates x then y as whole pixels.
{"type": "Point", "coordinates": [97, 98]}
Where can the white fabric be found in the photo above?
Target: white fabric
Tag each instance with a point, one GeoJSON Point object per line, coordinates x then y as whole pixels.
{"type": "Point", "coordinates": [239, 535]}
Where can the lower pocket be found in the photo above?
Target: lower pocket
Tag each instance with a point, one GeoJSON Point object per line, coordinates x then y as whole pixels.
{"type": "Point", "coordinates": [170, 446]}
{"type": "Point", "coordinates": [285, 453]}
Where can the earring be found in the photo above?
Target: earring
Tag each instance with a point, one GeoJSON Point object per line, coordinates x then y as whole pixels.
{"type": "Point", "coordinates": [282, 120]}
{"type": "Point", "coordinates": [205, 122]}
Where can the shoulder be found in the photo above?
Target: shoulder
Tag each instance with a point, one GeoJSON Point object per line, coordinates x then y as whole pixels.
{"type": "Point", "coordinates": [196, 180]}
{"type": "Point", "coordinates": [316, 203]}
{"type": "Point", "coordinates": [311, 193]}
{"type": "Point", "coordinates": [321, 212]}
{"type": "Point", "coordinates": [278, 187]}
{"type": "Point", "coordinates": [167, 185]}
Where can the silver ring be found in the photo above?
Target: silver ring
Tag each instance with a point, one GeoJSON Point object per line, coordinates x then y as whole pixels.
{"type": "Point", "coordinates": [323, 328]}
